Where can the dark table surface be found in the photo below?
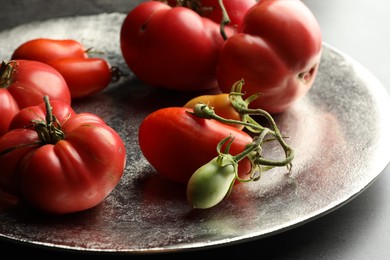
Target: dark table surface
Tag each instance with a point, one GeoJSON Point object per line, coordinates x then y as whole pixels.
{"type": "Point", "coordinates": [358, 230]}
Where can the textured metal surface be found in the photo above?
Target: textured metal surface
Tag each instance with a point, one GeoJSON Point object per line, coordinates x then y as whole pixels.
{"type": "Point", "coordinates": [339, 131]}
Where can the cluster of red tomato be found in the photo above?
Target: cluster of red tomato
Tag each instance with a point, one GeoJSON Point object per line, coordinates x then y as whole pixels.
{"type": "Point", "coordinates": [274, 46]}
{"type": "Point", "coordinates": [56, 160]}
{"type": "Point", "coordinates": [45, 157]}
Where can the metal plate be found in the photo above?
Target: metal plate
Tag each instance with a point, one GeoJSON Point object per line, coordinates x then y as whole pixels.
{"type": "Point", "coordinates": [339, 129]}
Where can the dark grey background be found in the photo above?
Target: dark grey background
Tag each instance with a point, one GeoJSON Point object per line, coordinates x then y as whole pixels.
{"type": "Point", "coordinates": [359, 229]}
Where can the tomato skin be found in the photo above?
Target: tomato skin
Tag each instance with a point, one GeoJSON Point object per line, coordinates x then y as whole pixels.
{"type": "Point", "coordinates": [30, 81]}
{"type": "Point", "coordinates": [72, 175]}
{"type": "Point", "coordinates": [221, 105]}
{"type": "Point", "coordinates": [84, 77]}
{"type": "Point", "coordinates": [186, 61]}
{"type": "Point", "coordinates": [277, 52]}
{"type": "Point", "coordinates": [177, 143]}
{"type": "Point", "coordinates": [8, 109]}
{"type": "Point", "coordinates": [33, 80]}
{"type": "Point", "coordinates": [24, 118]}
{"type": "Point", "coordinates": [47, 49]}
{"type": "Point", "coordinates": [9, 176]}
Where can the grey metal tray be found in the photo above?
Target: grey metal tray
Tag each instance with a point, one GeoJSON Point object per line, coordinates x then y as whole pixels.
{"type": "Point", "coordinates": [339, 129]}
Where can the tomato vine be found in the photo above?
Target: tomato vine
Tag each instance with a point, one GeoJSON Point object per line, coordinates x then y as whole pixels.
{"type": "Point", "coordinates": [253, 151]}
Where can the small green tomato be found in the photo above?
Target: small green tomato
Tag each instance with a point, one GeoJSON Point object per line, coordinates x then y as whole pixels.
{"type": "Point", "coordinates": [212, 182]}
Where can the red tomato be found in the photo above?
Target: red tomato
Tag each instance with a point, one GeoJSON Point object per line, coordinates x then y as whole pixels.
{"type": "Point", "coordinates": [177, 143]}
{"type": "Point", "coordinates": [84, 77]}
{"type": "Point", "coordinates": [23, 83]}
{"type": "Point", "coordinates": [277, 52]}
{"type": "Point", "coordinates": [46, 49]}
{"type": "Point", "coordinates": [172, 47]}
{"type": "Point", "coordinates": [74, 173]}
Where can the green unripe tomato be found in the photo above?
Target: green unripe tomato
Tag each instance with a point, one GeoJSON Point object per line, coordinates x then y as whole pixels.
{"type": "Point", "coordinates": [211, 183]}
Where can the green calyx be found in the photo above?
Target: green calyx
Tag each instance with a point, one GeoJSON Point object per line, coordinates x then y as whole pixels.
{"type": "Point", "coordinates": [49, 131]}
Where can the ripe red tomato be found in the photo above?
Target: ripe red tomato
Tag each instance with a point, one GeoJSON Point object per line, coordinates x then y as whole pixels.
{"type": "Point", "coordinates": [47, 49]}
{"type": "Point", "coordinates": [277, 52]}
{"type": "Point", "coordinates": [177, 143]}
{"type": "Point", "coordinates": [174, 47]}
{"type": "Point", "coordinates": [62, 166]}
{"type": "Point", "coordinates": [84, 77]}
{"type": "Point", "coordinates": [171, 47]}
{"type": "Point", "coordinates": [23, 83]}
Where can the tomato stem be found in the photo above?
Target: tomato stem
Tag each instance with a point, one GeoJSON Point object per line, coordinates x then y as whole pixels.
{"type": "Point", "coordinates": [92, 51]}
{"type": "Point", "coordinates": [191, 4]}
{"type": "Point", "coordinates": [225, 19]}
{"type": "Point", "coordinates": [117, 74]}
{"type": "Point", "coordinates": [253, 151]}
{"type": "Point", "coordinates": [196, 5]}
{"type": "Point", "coordinates": [7, 70]}
{"type": "Point", "coordinates": [204, 111]}
{"type": "Point", "coordinates": [49, 110]}
{"type": "Point", "coordinates": [49, 131]}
